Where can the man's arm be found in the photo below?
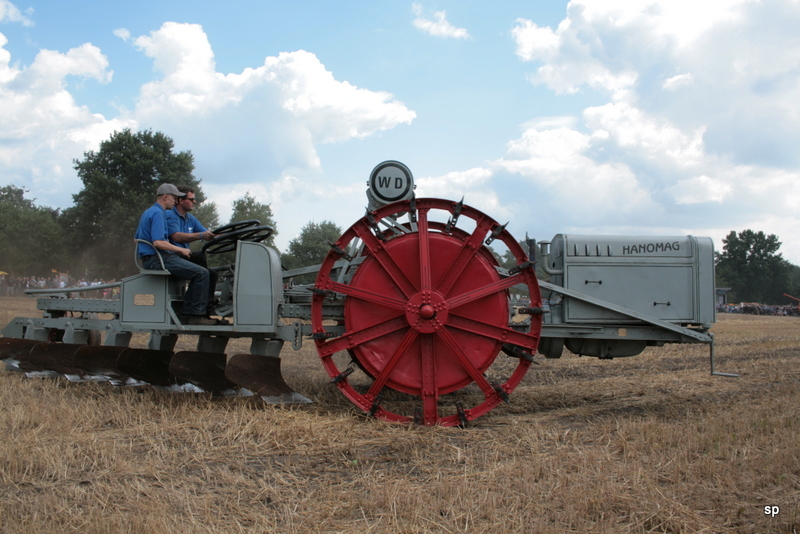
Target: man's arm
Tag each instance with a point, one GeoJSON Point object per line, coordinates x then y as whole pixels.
{"type": "Point", "coordinates": [183, 237]}
{"type": "Point", "coordinates": [166, 245]}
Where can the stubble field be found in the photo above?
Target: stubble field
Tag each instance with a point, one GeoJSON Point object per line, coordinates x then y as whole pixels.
{"type": "Point", "coordinates": [651, 443]}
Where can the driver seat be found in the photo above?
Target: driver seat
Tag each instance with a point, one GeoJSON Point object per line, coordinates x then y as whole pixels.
{"type": "Point", "coordinates": [177, 286]}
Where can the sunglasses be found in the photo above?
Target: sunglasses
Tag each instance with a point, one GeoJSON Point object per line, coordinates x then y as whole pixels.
{"type": "Point", "coordinates": [192, 199]}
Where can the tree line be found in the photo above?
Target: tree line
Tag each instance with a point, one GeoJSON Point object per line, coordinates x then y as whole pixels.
{"type": "Point", "coordinates": [94, 237]}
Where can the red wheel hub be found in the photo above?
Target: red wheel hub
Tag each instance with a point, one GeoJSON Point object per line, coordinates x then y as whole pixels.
{"type": "Point", "coordinates": [426, 312]}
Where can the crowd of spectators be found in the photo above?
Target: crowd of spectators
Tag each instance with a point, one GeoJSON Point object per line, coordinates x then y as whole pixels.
{"type": "Point", "coordinates": [758, 309]}
{"type": "Point", "coordinates": [15, 286]}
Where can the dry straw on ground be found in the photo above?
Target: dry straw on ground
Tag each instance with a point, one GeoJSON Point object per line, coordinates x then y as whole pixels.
{"type": "Point", "coordinates": [644, 444]}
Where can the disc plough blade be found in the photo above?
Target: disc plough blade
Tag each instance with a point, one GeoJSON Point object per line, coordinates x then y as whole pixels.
{"type": "Point", "coordinates": [262, 376]}
{"type": "Point", "coordinates": [101, 361]}
{"type": "Point", "coordinates": [205, 370]}
{"type": "Point", "coordinates": [145, 365]}
{"type": "Point", "coordinates": [11, 349]}
{"type": "Point", "coordinates": [55, 357]}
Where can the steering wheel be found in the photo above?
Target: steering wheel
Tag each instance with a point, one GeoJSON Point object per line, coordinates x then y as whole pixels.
{"type": "Point", "coordinates": [232, 227]}
{"type": "Point", "coordinates": [227, 242]}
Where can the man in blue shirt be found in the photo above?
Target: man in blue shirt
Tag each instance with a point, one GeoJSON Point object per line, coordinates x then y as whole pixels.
{"type": "Point", "coordinates": [153, 228]}
{"type": "Point", "coordinates": [184, 228]}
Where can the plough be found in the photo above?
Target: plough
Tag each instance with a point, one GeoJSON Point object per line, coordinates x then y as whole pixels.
{"type": "Point", "coordinates": [409, 311]}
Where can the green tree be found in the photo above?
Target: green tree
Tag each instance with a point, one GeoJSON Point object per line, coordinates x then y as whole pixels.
{"type": "Point", "coordinates": [752, 267]}
{"type": "Point", "coordinates": [310, 247]}
{"type": "Point", "coordinates": [248, 208]}
{"type": "Point", "coordinates": [30, 237]}
{"type": "Point", "coordinates": [207, 214]}
{"type": "Point", "coordinates": [119, 183]}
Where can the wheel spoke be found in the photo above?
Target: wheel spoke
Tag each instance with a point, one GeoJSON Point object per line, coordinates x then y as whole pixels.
{"type": "Point", "coordinates": [473, 372]}
{"type": "Point", "coordinates": [430, 393]}
{"type": "Point", "coordinates": [491, 289]}
{"type": "Point", "coordinates": [383, 376]}
{"type": "Point", "coordinates": [352, 339]}
{"type": "Point", "coordinates": [470, 247]}
{"type": "Point", "coordinates": [424, 251]}
{"type": "Point", "coordinates": [498, 333]}
{"type": "Point", "coordinates": [378, 251]}
{"type": "Point", "coordinates": [352, 291]}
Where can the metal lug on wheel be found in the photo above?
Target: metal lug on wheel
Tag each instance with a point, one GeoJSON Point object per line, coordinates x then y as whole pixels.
{"type": "Point", "coordinates": [322, 335]}
{"type": "Point", "coordinates": [495, 234]}
{"type": "Point", "coordinates": [516, 352]}
{"type": "Point", "coordinates": [342, 254]}
{"type": "Point", "coordinates": [344, 374]}
{"type": "Point", "coordinates": [448, 228]}
{"type": "Point", "coordinates": [375, 405]}
{"type": "Point", "coordinates": [503, 395]}
{"type": "Point", "coordinates": [531, 311]}
{"type": "Point", "coordinates": [374, 225]}
{"type": "Point", "coordinates": [462, 414]}
{"type": "Point", "coordinates": [521, 267]}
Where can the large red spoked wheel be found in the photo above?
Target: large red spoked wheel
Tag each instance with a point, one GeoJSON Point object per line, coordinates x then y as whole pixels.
{"type": "Point", "coordinates": [426, 312]}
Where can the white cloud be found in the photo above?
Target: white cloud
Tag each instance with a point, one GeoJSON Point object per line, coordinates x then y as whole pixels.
{"type": "Point", "coordinates": [293, 90]}
{"type": "Point", "coordinates": [700, 189]}
{"type": "Point", "coordinates": [638, 133]}
{"type": "Point", "coordinates": [702, 117]}
{"type": "Point", "coordinates": [567, 62]}
{"type": "Point", "coordinates": [439, 26]}
{"type": "Point", "coordinates": [43, 127]}
{"type": "Point", "coordinates": [475, 185]}
{"type": "Point", "coordinates": [679, 80]}
{"type": "Point", "coordinates": [123, 34]}
{"type": "Point", "coordinates": [555, 164]}
{"type": "Point", "coordinates": [11, 13]}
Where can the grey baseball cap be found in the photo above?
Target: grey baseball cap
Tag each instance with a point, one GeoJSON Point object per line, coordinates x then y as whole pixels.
{"type": "Point", "coordinates": [169, 189]}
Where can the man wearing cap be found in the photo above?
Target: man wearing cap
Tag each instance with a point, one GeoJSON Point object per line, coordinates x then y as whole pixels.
{"type": "Point", "coordinates": [153, 228]}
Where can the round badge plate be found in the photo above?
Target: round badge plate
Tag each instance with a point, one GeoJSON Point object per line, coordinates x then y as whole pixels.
{"type": "Point", "coordinates": [391, 181]}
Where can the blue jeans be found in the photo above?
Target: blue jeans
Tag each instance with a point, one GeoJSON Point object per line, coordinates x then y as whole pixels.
{"type": "Point", "coordinates": [195, 301]}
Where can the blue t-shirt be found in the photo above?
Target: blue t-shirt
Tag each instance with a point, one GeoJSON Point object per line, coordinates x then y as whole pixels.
{"type": "Point", "coordinates": [152, 227]}
{"type": "Point", "coordinates": [187, 225]}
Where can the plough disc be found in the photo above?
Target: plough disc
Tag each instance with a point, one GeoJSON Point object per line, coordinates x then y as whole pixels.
{"type": "Point", "coordinates": [259, 375]}
{"type": "Point", "coordinates": [11, 349]}
{"type": "Point", "coordinates": [145, 365]}
{"type": "Point", "coordinates": [262, 376]}
{"type": "Point", "coordinates": [426, 312]}
{"type": "Point", "coordinates": [100, 361]}
{"type": "Point", "coordinates": [205, 370]}
{"type": "Point", "coordinates": [56, 357]}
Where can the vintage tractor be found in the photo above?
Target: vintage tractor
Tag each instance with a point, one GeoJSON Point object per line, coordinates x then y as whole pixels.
{"type": "Point", "coordinates": [409, 311]}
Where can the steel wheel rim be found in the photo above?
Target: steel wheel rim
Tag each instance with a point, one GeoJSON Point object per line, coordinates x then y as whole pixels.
{"type": "Point", "coordinates": [419, 330]}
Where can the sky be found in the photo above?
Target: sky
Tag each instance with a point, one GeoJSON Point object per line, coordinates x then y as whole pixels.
{"type": "Point", "coordinates": [668, 117]}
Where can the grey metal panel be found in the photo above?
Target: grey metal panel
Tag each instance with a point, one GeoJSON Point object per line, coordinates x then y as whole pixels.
{"type": "Point", "coordinates": [258, 287]}
{"type": "Point", "coordinates": [664, 292]}
{"type": "Point", "coordinates": [144, 299]}
{"type": "Point", "coordinates": [79, 304]}
{"type": "Point", "coordinates": [707, 283]}
{"type": "Point", "coordinates": [641, 273]}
